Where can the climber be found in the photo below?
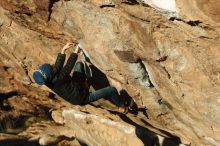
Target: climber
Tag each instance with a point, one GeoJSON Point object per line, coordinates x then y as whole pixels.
{"type": "Point", "coordinates": [75, 88]}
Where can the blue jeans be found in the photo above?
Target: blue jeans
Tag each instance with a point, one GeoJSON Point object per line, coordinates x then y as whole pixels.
{"type": "Point", "coordinates": [108, 92]}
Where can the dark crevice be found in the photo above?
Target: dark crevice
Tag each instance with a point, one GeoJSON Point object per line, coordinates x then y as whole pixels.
{"type": "Point", "coordinates": [28, 13]}
{"type": "Point", "coordinates": [162, 114]}
{"type": "Point", "coordinates": [131, 2]}
{"type": "Point", "coordinates": [23, 10]}
{"type": "Point", "coordinates": [191, 23]}
{"type": "Point", "coordinates": [162, 59]}
{"type": "Point", "coordinates": [6, 68]}
{"type": "Point", "coordinates": [194, 23]}
{"type": "Point", "coordinates": [205, 37]}
{"type": "Point", "coordinates": [141, 19]}
{"type": "Point", "coordinates": [51, 3]}
{"type": "Point", "coordinates": [52, 96]}
{"type": "Point", "coordinates": [3, 100]}
{"type": "Point", "coordinates": [111, 6]}
{"type": "Point", "coordinates": [168, 74]}
{"type": "Point", "coordinates": [18, 142]}
{"type": "Point", "coordinates": [8, 95]}
{"type": "Point", "coordinates": [145, 5]}
{"type": "Point", "coordinates": [146, 75]}
{"type": "Point", "coordinates": [175, 18]}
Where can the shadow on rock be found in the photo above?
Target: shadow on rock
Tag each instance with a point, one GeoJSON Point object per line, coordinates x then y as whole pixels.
{"type": "Point", "coordinates": [128, 100]}
{"type": "Point", "coordinates": [18, 142]}
{"type": "Point", "coordinates": [148, 137]}
{"type": "Point", "coordinates": [5, 96]}
{"type": "Point", "coordinates": [99, 78]}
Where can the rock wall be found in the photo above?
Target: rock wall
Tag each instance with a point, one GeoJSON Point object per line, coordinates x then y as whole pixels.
{"type": "Point", "coordinates": [203, 10]}
{"type": "Point", "coordinates": [169, 66]}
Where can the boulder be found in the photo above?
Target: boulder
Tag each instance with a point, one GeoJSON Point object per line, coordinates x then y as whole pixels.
{"type": "Point", "coordinates": [168, 65]}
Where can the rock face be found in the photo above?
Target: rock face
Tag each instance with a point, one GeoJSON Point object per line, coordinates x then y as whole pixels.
{"type": "Point", "coordinates": [203, 10]}
{"type": "Point", "coordinates": [168, 65]}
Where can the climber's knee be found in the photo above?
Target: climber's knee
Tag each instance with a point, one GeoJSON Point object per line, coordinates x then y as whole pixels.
{"type": "Point", "coordinates": [112, 89]}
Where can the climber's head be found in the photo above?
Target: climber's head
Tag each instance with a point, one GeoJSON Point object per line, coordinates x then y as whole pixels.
{"type": "Point", "coordinates": [43, 74]}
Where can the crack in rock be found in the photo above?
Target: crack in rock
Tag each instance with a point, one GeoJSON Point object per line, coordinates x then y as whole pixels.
{"type": "Point", "coordinates": [190, 22]}
{"type": "Point", "coordinates": [51, 3]}
{"type": "Point", "coordinates": [136, 65]}
{"type": "Point", "coordinates": [140, 73]}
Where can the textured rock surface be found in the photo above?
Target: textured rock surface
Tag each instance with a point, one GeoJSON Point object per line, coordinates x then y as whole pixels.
{"type": "Point", "coordinates": [203, 10]}
{"type": "Point", "coordinates": [171, 67]}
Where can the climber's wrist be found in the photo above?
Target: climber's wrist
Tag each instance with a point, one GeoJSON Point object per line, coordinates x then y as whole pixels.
{"type": "Point", "coordinates": [63, 51]}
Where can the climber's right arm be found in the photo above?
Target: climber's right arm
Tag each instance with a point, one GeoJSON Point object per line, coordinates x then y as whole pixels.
{"type": "Point", "coordinates": [66, 70]}
{"type": "Point", "coordinates": [61, 58]}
